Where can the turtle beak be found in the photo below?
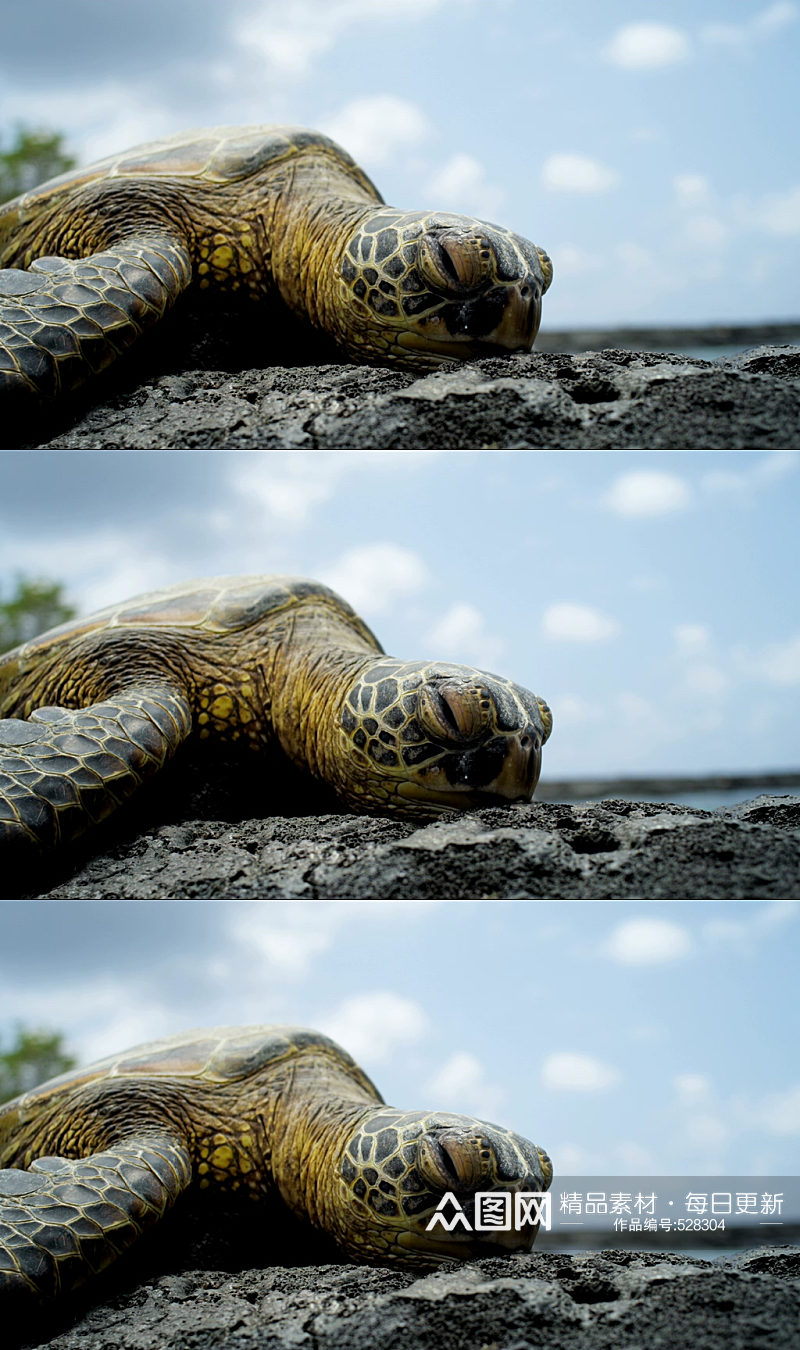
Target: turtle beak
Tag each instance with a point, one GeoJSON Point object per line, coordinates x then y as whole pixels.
{"type": "Point", "coordinates": [519, 775]}
{"type": "Point", "coordinates": [520, 321]}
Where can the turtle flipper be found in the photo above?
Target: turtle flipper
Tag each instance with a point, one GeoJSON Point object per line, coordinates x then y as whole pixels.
{"type": "Point", "coordinates": [65, 770]}
{"type": "Point", "coordinates": [65, 1220]}
{"type": "Point", "coordinates": [65, 320]}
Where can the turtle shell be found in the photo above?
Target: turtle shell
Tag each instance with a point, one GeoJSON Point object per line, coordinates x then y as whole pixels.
{"type": "Point", "coordinates": [214, 1054]}
{"type": "Point", "coordinates": [210, 154]}
{"type": "Point", "coordinates": [213, 604]}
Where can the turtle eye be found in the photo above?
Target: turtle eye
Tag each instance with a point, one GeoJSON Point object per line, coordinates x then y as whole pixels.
{"type": "Point", "coordinates": [454, 262]}
{"type": "Point", "coordinates": [452, 713]}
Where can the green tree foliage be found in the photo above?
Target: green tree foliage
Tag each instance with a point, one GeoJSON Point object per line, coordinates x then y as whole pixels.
{"type": "Point", "coordinates": [31, 1057]}
{"type": "Point", "coordinates": [33, 606]}
{"type": "Point", "coordinates": [32, 157]}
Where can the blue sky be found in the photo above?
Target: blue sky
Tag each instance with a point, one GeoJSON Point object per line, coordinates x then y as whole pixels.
{"type": "Point", "coordinates": [650, 148]}
{"type": "Point", "coordinates": [651, 599]}
{"type": "Point", "coordinates": [623, 1038]}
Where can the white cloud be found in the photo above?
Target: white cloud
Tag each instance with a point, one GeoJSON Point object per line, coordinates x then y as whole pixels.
{"type": "Point", "coordinates": [692, 189]}
{"type": "Point", "coordinates": [568, 1071]}
{"type": "Point", "coordinates": [776, 17]}
{"type": "Point", "coordinates": [569, 260]}
{"type": "Point", "coordinates": [633, 256]}
{"type": "Point", "coordinates": [577, 173]}
{"type": "Point", "coordinates": [290, 490]}
{"type": "Point", "coordinates": [773, 468]}
{"type": "Point", "coordinates": [647, 492]}
{"type": "Point", "coordinates": [692, 1088]}
{"type": "Point", "coordinates": [781, 1112]}
{"type": "Point", "coordinates": [776, 1113]}
{"type": "Point", "coordinates": [461, 184]}
{"type": "Point", "coordinates": [568, 622]}
{"type": "Point", "coordinates": [706, 1130]}
{"type": "Point", "coordinates": [374, 576]}
{"type": "Point", "coordinates": [647, 46]}
{"type": "Point", "coordinates": [290, 487]}
{"type": "Point", "coordinates": [781, 662]}
{"type": "Point", "coordinates": [779, 213]}
{"type": "Point", "coordinates": [292, 37]}
{"type": "Point", "coordinates": [103, 567]}
{"type": "Point", "coordinates": [707, 679]}
{"type": "Point", "coordinates": [635, 708]}
{"type": "Point", "coordinates": [723, 34]}
{"type": "Point", "coordinates": [288, 942]}
{"type": "Point", "coordinates": [373, 1026]}
{"type": "Point", "coordinates": [572, 1160]}
{"type": "Point", "coordinates": [104, 1015]}
{"type": "Point", "coordinates": [372, 129]}
{"type": "Point", "coordinates": [692, 638]}
{"type": "Point", "coordinates": [778, 663]}
{"type": "Point", "coordinates": [649, 1032]}
{"type": "Point", "coordinates": [705, 231]}
{"type": "Point", "coordinates": [571, 710]}
{"type": "Point", "coordinates": [765, 24]}
{"type": "Point", "coordinates": [647, 942]}
{"type": "Point", "coordinates": [694, 647]}
{"type": "Point", "coordinates": [462, 1084]}
{"type": "Point", "coordinates": [758, 922]}
{"type": "Point", "coordinates": [128, 1026]}
{"type": "Point", "coordinates": [760, 471]}
{"type": "Point", "coordinates": [462, 635]}
{"type": "Point", "coordinates": [109, 116]}
{"type": "Point", "coordinates": [634, 1158]}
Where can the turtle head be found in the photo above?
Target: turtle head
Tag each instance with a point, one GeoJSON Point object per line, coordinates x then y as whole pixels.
{"type": "Point", "coordinates": [422, 738]}
{"type": "Point", "coordinates": [422, 289]}
{"type": "Point", "coordinates": [399, 1168]}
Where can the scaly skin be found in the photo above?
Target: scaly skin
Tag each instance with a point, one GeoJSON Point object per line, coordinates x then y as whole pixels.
{"type": "Point", "coordinates": [279, 218]}
{"type": "Point", "coordinates": [63, 320]}
{"type": "Point", "coordinates": [62, 1221]}
{"type": "Point", "coordinates": [267, 1116]}
{"type": "Point", "coordinates": [277, 668]}
{"type": "Point", "coordinates": [62, 771]}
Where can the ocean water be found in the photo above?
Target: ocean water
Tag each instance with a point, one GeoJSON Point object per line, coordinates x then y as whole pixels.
{"type": "Point", "coordinates": [701, 801]}
{"type": "Point", "coordinates": [720, 353]}
{"type": "Point", "coordinates": [710, 801]}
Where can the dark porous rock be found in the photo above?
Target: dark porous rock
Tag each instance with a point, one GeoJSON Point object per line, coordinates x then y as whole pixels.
{"type": "Point", "coordinates": [547, 850]}
{"type": "Point", "coordinates": [593, 400]}
{"type": "Point", "coordinates": [600, 1301]}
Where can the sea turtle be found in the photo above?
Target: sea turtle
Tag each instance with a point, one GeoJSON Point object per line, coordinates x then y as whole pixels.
{"type": "Point", "coordinates": [278, 1117]}
{"type": "Point", "coordinates": [278, 668]}
{"type": "Point", "coordinates": [279, 217]}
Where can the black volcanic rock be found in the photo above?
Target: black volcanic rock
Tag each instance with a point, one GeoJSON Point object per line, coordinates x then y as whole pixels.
{"type": "Point", "coordinates": [608, 1300]}
{"type": "Point", "coordinates": [611, 399]}
{"type": "Point", "coordinates": [597, 851]}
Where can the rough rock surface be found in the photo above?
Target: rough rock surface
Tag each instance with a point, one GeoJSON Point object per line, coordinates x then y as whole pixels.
{"type": "Point", "coordinates": [595, 400]}
{"type": "Point", "coordinates": [600, 1301]}
{"type": "Point", "coordinates": [603, 850]}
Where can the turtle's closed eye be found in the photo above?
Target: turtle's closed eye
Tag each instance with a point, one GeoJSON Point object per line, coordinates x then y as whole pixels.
{"type": "Point", "coordinates": [454, 262]}
{"type": "Point", "coordinates": [453, 711]}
